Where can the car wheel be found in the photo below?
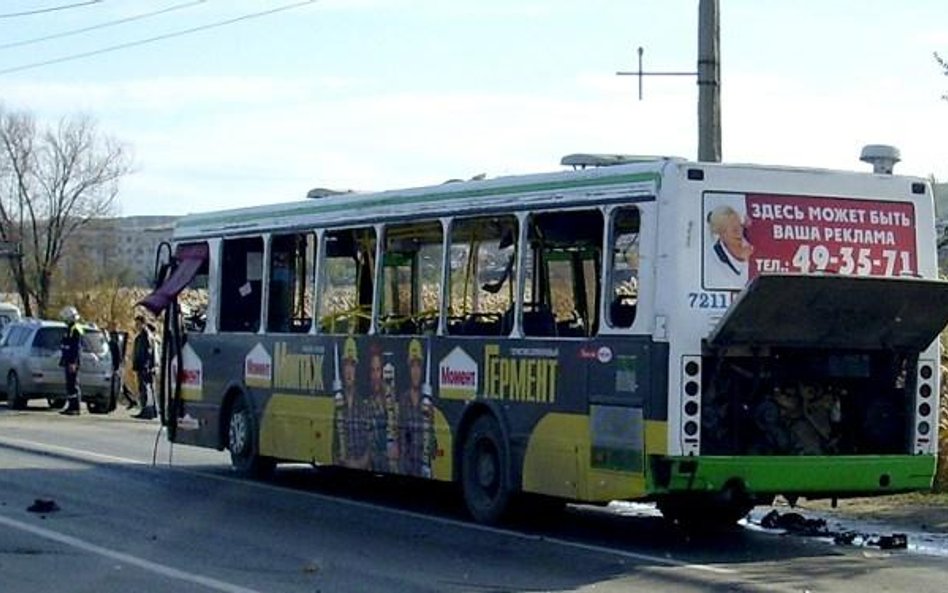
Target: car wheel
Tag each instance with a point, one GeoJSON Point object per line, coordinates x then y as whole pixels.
{"type": "Point", "coordinates": [485, 467]}
{"type": "Point", "coordinates": [243, 443]}
{"type": "Point", "coordinates": [14, 395]}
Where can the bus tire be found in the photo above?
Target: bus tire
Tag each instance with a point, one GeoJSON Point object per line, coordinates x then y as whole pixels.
{"type": "Point", "coordinates": [243, 442]}
{"type": "Point", "coordinates": [485, 471]}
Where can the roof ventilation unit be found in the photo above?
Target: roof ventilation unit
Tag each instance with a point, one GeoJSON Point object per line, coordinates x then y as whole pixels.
{"type": "Point", "coordinates": [882, 157]}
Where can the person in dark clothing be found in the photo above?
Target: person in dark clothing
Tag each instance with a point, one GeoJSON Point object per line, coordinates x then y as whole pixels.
{"type": "Point", "coordinates": [70, 354]}
{"type": "Point", "coordinates": [143, 364]}
{"type": "Point", "coordinates": [117, 341]}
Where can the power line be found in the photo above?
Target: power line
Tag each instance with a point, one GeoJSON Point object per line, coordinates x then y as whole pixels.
{"type": "Point", "coordinates": [11, 15]}
{"type": "Point", "coordinates": [112, 48]}
{"type": "Point", "coordinates": [129, 19]}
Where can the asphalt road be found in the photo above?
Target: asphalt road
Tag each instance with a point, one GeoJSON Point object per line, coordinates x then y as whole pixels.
{"type": "Point", "coordinates": [136, 515]}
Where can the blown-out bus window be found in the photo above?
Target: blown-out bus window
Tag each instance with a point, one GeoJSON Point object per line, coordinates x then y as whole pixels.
{"type": "Point", "coordinates": [483, 275]}
{"type": "Point", "coordinates": [346, 288]}
{"type": "Point", "coordinates": [194, 297]}
{"type": "Point", "coordinates": [291, 282]}
{"type": "Point", "coordinates": [624, 271]}
{"type": "Point", "coordinates": [241, 283]}
{"type": "Point", "coordinates": [561, 290]}
{"type": "Point", "coordinates": [411, 279]}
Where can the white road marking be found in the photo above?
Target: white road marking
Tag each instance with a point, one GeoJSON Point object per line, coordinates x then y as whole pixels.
{"type": "Point", "coordinates": [71, 451]}
{"type": "Point", "coordinates": [161, 569]}
{"type": "Point", "coordinates": [661, 560]}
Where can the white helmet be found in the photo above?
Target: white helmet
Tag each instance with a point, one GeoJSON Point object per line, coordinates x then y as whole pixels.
{"type": "Point", "coordinates": [69, 314]}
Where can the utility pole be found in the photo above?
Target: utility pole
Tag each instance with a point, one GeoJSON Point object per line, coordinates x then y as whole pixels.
{"type": "Point", "coordinates": [709, 81]}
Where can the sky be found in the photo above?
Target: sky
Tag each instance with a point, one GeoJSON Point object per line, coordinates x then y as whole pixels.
{"type": "Point", "coordinates": [223, 106]}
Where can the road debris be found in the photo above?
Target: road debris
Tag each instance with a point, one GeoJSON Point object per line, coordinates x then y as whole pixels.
{"type": "Point", "coordinates": [797, 524]}
{"type": "Point", "coordinates": [43, 505]}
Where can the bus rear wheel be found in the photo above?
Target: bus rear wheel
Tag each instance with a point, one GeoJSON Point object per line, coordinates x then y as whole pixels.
{"type": "Point", "coordinates": [485, 471]}
{"type": "Point", "coordinates": [243, 443]}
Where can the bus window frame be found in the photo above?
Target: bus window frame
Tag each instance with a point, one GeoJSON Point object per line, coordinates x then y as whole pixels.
{"type": "Point", "coordinates": [523, 234]}
{"type": "Point", "coordinates": [380, 233]}
{"type": "Point", "coordinates": [447, 224]}
{"type": "Point", "coordinates": [320, 286]}
{"type": "Point", "coordinates": [265, 285]}
{"type": "Point", "coordinates": [261, 237]}
{"type": "Point", "coordinates": [383, 241]}
{"type": "Point", "coordinates": [215, 253]}
{"type": "Point", "coordinates": [317, 280]}
{"type": "Point", "coordinates": [609, 213]}
{"type": "Point", "coordinates": [306, 233]}
{"type": "Point", "coordinates": [606, 226]}
{"type": "Point", "coordinates": [514, 214]}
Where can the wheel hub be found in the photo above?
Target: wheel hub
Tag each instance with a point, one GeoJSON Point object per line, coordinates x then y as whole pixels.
{"type": "Point", "coordinates": [237, 433]}
{"type": "Point", "coordinates": [486, 467]}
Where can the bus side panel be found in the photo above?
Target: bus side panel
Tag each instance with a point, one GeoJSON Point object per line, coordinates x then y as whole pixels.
{"type": "Point", "coordinates": [578, 413]}
{"type": "Point", "coordinates": [205, 376]}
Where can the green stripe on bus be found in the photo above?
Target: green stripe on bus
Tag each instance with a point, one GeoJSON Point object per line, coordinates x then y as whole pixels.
{"type": "Point", "coordinates": [804, 474]}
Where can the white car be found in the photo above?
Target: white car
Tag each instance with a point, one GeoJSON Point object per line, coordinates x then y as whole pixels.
{"type": "Point", "coordinates": [29, 365]}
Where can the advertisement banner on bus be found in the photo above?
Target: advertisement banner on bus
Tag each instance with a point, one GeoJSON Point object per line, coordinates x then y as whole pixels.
{"type": "Point", "coordinates": [751, 234]}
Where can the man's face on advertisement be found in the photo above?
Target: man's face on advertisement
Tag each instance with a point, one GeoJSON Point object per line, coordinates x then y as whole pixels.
{"type": "Point", "coordinates": [732, 233]}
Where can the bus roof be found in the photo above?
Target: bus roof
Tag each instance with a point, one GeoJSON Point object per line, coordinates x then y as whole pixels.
{"type": "Point", "coordinates": [569, 187]}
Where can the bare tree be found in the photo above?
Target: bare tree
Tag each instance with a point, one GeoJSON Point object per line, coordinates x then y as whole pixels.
{"type": "Point", "coordinates": [54, 181]}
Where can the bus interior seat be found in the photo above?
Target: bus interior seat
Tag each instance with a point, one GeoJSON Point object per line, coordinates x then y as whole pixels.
{"type": "Point", "coordinates": [481, 324]}
{"type": "Point", "coordinates": [572, 327]}
{"type": "Point", "coordinates": [538, 320]}
{"type": "Point", "coordinates": [622, 311]}
{"type": "Point", "coordinates": [398, 326]}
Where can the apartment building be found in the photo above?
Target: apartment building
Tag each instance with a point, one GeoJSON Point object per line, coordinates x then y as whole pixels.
{"type": "Point", "coordinates": [121, 247]}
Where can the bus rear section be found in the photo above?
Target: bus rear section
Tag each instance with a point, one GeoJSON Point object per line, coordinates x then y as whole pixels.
{"type": "Point", "coordinates": [813, 369]}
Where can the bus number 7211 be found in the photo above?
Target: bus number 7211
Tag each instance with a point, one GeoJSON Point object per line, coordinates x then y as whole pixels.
{"type": "Point", "coordinates": [709, 300]}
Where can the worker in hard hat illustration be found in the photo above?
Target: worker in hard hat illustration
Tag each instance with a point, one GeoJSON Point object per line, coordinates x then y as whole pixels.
{"type": "Point", "coordinates": [350, 446]}
{"type": "Point", "coordinates": [416, 442]}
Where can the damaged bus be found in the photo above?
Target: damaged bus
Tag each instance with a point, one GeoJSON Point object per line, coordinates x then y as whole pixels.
{"type": "Point", "coordinates": [702, 335]}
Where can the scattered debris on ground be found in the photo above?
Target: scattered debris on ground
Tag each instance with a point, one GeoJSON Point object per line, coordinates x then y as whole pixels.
{"type": "Point", "coordinates": [797, 524]}
{"type": "Point", "coordinates": [43, 505]}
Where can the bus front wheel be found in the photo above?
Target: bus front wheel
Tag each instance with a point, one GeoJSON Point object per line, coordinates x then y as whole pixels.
{"type": "Point", "coordinates": [242, 442]}
{"type": "Point", "coordinates": [485, 471]}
